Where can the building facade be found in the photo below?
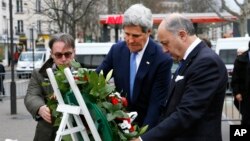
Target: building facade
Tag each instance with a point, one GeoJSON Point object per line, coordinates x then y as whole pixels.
{"type": "Point", "coordinates": [31, 28]}
{"type": "Point", "coordinates": [4, 30]}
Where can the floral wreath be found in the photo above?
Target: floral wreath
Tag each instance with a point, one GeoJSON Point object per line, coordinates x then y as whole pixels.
{"type": "Point", "coordinates": [97, 90]}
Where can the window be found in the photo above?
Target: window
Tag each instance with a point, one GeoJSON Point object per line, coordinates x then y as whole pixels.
{"type": "Point", "coordinates": [19, 6]}
{"type": "Point", "coordinates": [38, 6]}
{"type": "Point", "coordinates": [90, 61]}
{"type": "Point", "coordinates": [20, 26]}
{"type": "Point", "coordinates": [228, 56]}
{"type": "Point", "coordinates": [29, 56]}
{"type": "Point", "coordinates": [4, 4]}
{"type": "Point", "coordinates": [5, 25]}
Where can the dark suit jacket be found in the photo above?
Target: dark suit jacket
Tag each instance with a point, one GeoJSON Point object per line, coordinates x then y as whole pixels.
{"type": "Point", "coordinates": [194, 105]}
{"type": "Point", "coordinates": [151, 82]}
{"type": "Point", "coordinates": [241, 84]}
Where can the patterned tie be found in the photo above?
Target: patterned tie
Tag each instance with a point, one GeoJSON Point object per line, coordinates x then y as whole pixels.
{"type": "Point", "coordinates": [132, 72]}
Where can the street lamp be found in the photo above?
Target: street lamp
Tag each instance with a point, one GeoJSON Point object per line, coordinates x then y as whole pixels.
{"type": "Point", "coordinates": [12, 84]}
{"type": "Point", "coordinates": [32, 45]}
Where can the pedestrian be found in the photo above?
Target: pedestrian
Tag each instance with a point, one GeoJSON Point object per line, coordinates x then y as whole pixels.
{"type": "Point", "coordinates": [141, 70]}
{"type": "Point", "coordinates": [241, 85]}
{"type": "Point", "coordinates": [62, 53]}
{"type": "Point", "coordinates": [2, 77]}
{"type": "Point", "coordinates": [193, 108]}
{"type": "Point", "coordinates": [16, 56]}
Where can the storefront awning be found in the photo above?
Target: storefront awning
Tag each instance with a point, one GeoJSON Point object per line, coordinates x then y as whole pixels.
{"type": "Point", "coordinates": [157, 18]}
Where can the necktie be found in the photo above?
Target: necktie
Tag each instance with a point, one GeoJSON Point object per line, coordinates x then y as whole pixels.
{"type": "Point", "coordinates": [132, 72]}
{"type": "Point", "coordinates": [179, 67]}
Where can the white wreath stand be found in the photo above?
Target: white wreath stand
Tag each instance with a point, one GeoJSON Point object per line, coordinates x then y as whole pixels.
{"type": "Point", "coordinates": [71, 112]}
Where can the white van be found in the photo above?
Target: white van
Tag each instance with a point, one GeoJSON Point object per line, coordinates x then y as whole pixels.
{"type": "Point", "coordinates": [91, 55]}
{"type": "Point", "coordinates": [25, 63]}
{"type": "Point", "coordinates": [227, 48]}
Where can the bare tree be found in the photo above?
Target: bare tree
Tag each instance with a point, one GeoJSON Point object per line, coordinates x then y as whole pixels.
{"type": "Point", "coordinates": [67, 13]}
{"type": "Point", "coordinates": [119, 6]}
{"type": "Point", "coordinates": [241, 17]}
{"type": "Point", "coordinates": [196, 6]}
{"type": "Point", "coordinates": [89, 27]}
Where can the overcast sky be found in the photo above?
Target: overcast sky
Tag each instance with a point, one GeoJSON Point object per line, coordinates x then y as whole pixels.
{"type": "Point", "coordinates": [231, 4]}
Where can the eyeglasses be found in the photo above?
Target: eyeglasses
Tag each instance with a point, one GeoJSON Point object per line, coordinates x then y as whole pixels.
{"type": "Point", "coordinates": [59, 55]}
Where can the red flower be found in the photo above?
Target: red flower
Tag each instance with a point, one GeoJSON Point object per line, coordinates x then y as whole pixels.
{"type": "Point", "coordinates": [124, 102]}
{"type": "Point", "coordinates": [85, 78]}
{"type": "Point", "coordinates": [132, 129]}
{"type": "Point", "coordinates": [76, 78]}
{"type": "Point", "coordinates": [114, 100]}
{"type": "Point", "coordinates": [127, 119]}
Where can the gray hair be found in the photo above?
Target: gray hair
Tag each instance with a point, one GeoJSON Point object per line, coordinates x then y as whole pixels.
{"type": "Point", "coordinates": [176, 22]}
{"type": "Point", "coordinates": [138, 14]}
{"type": "Point", "coordinates": [63, 37]}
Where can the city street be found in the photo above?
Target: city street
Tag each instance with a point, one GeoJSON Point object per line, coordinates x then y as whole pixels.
{"type": "Point", "coordinates": [22, 127]}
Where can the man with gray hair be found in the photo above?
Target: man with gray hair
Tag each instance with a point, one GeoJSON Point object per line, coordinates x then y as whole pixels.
{"type": "Point", "coordinates": [141, 70]}
{"type": "Point", "coordinates": [193, 109]}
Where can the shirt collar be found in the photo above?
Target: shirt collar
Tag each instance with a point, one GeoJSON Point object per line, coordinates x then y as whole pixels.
{"type": "Point", "coordinates": [140, 53]}
{"type": "Point", "coordinates": [191, 48]}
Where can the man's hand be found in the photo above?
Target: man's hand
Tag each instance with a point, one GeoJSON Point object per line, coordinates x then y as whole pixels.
{"type": "Point", "coordinates": [238, 97]}
{"type": "Point", "coordinates": [44, 112]}
{"type": "Point", "coordinates": [136, 139]}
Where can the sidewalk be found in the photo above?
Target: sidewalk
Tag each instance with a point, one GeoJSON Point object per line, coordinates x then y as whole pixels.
{"type": "Point", "coordinates": [8, 68]}
{"type": "Point", "coordinates": [20, 127]}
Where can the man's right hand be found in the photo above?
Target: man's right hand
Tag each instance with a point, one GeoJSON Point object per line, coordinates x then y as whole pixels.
{"type": "Point", "coordinates": [238, 97]}
{"type": "Point", "coordinates": [44, 112]}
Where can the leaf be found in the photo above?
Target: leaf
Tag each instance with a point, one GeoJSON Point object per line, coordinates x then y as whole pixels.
{"type": "Point", "coordinates": [110, 116]}
{"type": "Point", "coordinates": [109, 75]}
{"type": "Point", "coordinates": [116, 107]}
{"type": "Point", "coordinates": [107, 105]}
{"type": "Point", "coordinates": [120, 114]}
{"type": "Point", "coordinates": [44, 84]}
{"type": "Point", "coordinates": [101, 72]}
{"type": "Point", "coordinates": [66, 138]}
{"type": "Point", "coordinates": [57, 122]}
{"type": "Point", "coordinates": [96, 89]}
{"type": "Point", "coordinates": [121, 135]}
{"type": "Point", "coordinates": [131, 135]}
{"type": "Point", "coordinates": [75, 64]}
{"type": "Point", "coordinates": [143, 130]}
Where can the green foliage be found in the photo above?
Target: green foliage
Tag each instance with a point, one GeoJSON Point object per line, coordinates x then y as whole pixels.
{"type": "Point", "coordinates": [98, 91]}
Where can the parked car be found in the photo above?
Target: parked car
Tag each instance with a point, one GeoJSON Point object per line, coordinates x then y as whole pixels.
{"type": "Point", "coordinates": [91, 55]}
{"type": "Point", "coordinates": [227, 48]}
{"type": "Point", "coordinates": [28, 61]}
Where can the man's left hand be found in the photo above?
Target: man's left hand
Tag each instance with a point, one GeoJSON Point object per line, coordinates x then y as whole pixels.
{"type": "Point", "coordinates": [136, 139]}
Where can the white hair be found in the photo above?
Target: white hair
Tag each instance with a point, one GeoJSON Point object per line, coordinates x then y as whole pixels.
{"type": "Point", "coordinates": [138, 14]}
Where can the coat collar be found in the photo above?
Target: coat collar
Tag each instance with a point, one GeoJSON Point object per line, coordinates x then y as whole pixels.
{"type": "Point", "coordinates": [186, 64]}
{"type": "Point", "coordinates": [191, 56]}
{"type": "Point", "coordinates": [48, 64]}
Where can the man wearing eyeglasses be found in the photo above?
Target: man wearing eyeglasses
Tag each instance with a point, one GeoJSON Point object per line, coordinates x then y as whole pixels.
{"type": "Point", "coordinates": [62, 53]}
